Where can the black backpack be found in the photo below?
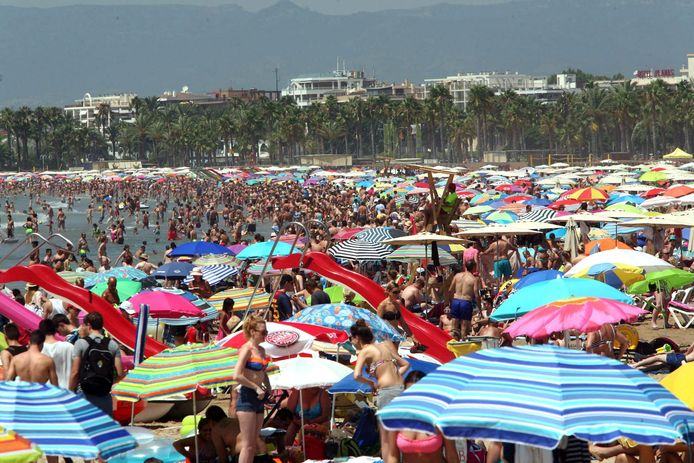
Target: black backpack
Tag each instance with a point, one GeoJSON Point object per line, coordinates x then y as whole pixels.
{"type": "Point", "coordinates": [98, 366]}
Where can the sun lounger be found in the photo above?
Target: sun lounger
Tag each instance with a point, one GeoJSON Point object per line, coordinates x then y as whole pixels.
{"type": "Point", "coordinates": [683, 314]}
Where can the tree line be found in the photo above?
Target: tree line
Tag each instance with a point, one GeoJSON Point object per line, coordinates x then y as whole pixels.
{"type": "Point", "coordinates": [651, 119]}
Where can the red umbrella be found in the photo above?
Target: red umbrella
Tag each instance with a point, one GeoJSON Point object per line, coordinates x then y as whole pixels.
{"type": "Point", "coordinates": [467, 194]}
{"type": "Point", "coordinates": [346, 233]}
{"type": "Point", "coordinates": [516, 198]}
{"type": "Point", "coordinates": [653, 193]}
{"type": "Point", "coordinates": [422, 184]}
{"type": "Point", "coordinates": [563, 202]}
{"type": "Point", "coordinates": [506, 188]}
{"type": "Point", "coordinates": [523, 183]}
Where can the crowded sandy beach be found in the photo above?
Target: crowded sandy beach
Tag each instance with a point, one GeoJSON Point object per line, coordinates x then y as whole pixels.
{"type": "Point", "coordinates": [398, 312]}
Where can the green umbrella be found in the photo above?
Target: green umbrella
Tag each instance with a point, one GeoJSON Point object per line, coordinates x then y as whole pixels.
{"type": "Point", "coordinates": [477, 210]}
{"type": "Point", "coordinates": [71, 276]}
{"type": "Point", "coordinates": [653, 176]}
{"type": "Point", "coordinates": [672, 277]}
{"type": "Point", "coordinates": [336, 294]}
{"type": "Point", "coordinates": [125, 288]}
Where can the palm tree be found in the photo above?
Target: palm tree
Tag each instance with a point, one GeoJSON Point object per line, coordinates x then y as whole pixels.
{"type": "Point", "coordinates": [623, 105]}
{"type": "Point", "coordinates": [655, 98]}
{"type": "Point", "coordinates": [443, 101]}
{"type": "Point", "coordinates": [480, 104]}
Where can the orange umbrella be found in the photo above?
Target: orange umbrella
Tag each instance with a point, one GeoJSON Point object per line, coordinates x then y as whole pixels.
{"type": "Point", "coordinates": [604, 244]}
{"type": "Point", "coordinates": [677, 191]}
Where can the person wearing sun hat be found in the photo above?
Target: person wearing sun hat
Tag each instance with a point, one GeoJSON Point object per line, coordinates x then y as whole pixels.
{"type": "Point", "coordinates": [145, 265]}
{"type": "Point", "coordinates": [198, 286]}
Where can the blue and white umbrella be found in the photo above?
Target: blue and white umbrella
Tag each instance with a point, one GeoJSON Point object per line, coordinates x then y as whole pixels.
{"type": "Point", "coordinates": [61, 422]}
{"type": "Point", "coordinates": [343, 316]}
{"type": "Point", "coordinates": [213, 274]}
{"type": "Point", "coordinates": [535, 395]}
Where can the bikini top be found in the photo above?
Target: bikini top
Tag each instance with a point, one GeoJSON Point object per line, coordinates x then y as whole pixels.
{"type": "Point", "coordinates": [257, 364]}
{"type": "Point", "coordinates": [427, 445]}
{"type": "Point", "coordinates": [310, 413]}
{"type": "Point", "coordinates": [374, 366]}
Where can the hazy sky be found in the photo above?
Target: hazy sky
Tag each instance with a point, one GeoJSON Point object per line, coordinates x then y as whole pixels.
{"type": "Point", "coordinates": [323, 6]}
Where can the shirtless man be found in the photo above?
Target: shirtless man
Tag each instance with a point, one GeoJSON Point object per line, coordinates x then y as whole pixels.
{"type": "Point", "coordinates": [111, 293]}
{"type": "Point", "coordinates": [224, 438]}
{"type": "Point", "coordinates": [32, 365]}
{"type": "Point", "coordinates": [145, 265]}
{"type": "Point", "coordinates": [413, 295]}
{"type": "Point", "coordinates": [465, 293]}
{"type": "Point", "coordinates": [500, 251]}
{"type": "Point", "coordinates": [449, 324]}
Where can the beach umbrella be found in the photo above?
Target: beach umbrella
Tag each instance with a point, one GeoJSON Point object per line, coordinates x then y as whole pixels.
{"type": "Point", "coordinates": [262, 250]}
{"type": "Point", "coordinates": [673, 278]}
{"type": "Point", "coordinates": [584, 314]}
{"type": "Point", "coordinates": [425, 238]}
{"type": "Point", "coordinates": [679, 382]}
{"type": "Point", "coordinates": [498, 230]}
{"type": "Point", "coordinates": [60, 422]}
{"type": "Point", "coordinates": [120, 273]}
{"type": "Point", "coordinates": [501, 217]}
{"type": "Point", "coordinates": [346, 233]}
{"type": "Point", "coordinates": [125, 288]}
{"type": "Point", "coordinates": [235, 248]}
{"type": "Point", "coordinates": [545, 292]}
{"type": "Point", "coordinates": [337, 294]}
{"type": "Point", "coordinates": [417, 253]}
{"type": "Point", "coordinates": [379, 234]}
{"type": "Point", "coordinates": [16, 449]}
{"type": "Point", "coordinates": [71, 277]}
{"type": "Point", "coordinates": [639, 259]}
{"type": "Point", "coordinates": [241, 296]}
{"type": "Point", "coordinates": [342, 317]}
{"type": "Point", "coordinates": [478, 210]}
{"type": "Point", "coordinates": [538, 215]}
{"type": "Point", "coordinates": [537, 277]}
{"type": "Point", "coordinates": [173, 270]}
{"type": "Point", "coordinates": [199, 248]}
{"type": "Point", "coordinates": [218, 259]}
{"type": "Point", "coordinates": [615, 275]}
{"type": "Point", "coordinates": [214, 274]}
{"type": "Point", "coordinates": [165, 305]}
{"type": "Point", "coordinates": [256, 268]}
{"type": "Point", "coordinates": [604, 244]}
{"type": "Point", "coordinates": [677, 191]}
{"type": "Point", "coordinates": [653, 176]}
{"type": "Point", "coordinates": [360, 250]}
{"type": "Point", "coordinates": [210, 313]}
{"type": "Point", "coordinates": [305, 372]}
{"type": "Point", "coordinates": [535, 395]}
{"type": "Point", "coordinates": [588, 194]}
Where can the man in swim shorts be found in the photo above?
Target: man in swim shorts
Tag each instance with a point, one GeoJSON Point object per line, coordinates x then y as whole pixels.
{"type": "Point", "coordinates": [465, 293]}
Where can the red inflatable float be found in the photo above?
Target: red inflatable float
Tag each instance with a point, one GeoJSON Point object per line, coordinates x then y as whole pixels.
{"type": "Point", "coordinates": [429, 335]}
{"type": "Point", "coordinates": [117, 326]}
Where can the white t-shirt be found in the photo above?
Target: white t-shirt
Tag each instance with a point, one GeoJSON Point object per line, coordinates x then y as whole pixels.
{"type": "Point", "coordinates": [61, 353]}
{"type": "Point", "coordinates": [58, 307]}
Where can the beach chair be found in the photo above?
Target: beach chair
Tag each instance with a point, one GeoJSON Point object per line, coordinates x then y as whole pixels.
{"type": "Point", "coordinates": [683, 314]}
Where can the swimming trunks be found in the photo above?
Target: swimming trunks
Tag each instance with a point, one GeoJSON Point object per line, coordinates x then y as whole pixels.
{"type": "Point", "coordinates": [675, 359]}
{"type": "Point", "coordinates": [502, 268]}
{"type": "Point", "coordinates": [392, 315]}
{"type": "Point", "coordinates": [462, 309]}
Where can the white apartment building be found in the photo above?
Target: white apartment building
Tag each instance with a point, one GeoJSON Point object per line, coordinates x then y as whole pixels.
{"type": "Point", "coordinates": [536, 86]}
{"type": "Point", "coordinates": [311, 88]}
{"type": "Point", "coordinates": [86, 109]}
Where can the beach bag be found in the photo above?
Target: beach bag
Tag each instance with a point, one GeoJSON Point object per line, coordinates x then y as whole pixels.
{"type": "Point", "coordinates": [348, 447]}
{"type": "Point", "coordinates": [475, 453]}
{"type": "Point", "coordinates": [98, 365]}
{"type": "Point", "coordinates": [366, 434]}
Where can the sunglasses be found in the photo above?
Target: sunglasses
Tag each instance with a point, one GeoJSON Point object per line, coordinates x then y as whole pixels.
{"type": "Point", "coordinates": [263, 332]}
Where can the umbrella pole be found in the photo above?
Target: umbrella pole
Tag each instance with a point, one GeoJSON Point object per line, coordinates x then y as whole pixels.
{"type": "Point", "coordinates": [303, 436]}
{"type": "Point", "coordinates": [132, 413]}
{"type": "Point", "coordinates": [332, 405]}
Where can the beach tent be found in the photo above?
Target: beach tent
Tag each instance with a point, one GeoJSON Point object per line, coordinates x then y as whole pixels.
{"type": "Point", "coordinates": [678, 154]}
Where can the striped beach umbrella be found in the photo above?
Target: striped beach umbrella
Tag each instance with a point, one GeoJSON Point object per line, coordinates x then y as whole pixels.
{"type": "Point", "coordinates": [418, 252]}
{"type": "Point", "coordinates": [538, 215]}
{"type": "Point", "coordinates": [60, 422]}
{"type": "Point", "coordinates": [121, 273]}
{"type": "Point", "coordinates": [343, 316]}
{"type": "Point", "coordinates": [218, 259]}
{"type": "Point", "coordinates": [214, 274]}
{"type": "Point", "coordinates": [359, 250]}
{"type": "Point", "coordinates": [241, 296]}
{"type": "Point", "coordinates": [16, 449]}
{"type": "Point", "coordinates": [256, 268]}
{"type": "Point", "coordinates": [178, 371]}
{"type": "Point", "coordinates": [379, 234]}
{"type": "Point", "coordinates": [535, 395]}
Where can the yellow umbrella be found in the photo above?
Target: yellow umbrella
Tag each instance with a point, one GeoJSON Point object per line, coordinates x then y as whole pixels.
{"type": "Point", "coordinates": [679, 382]}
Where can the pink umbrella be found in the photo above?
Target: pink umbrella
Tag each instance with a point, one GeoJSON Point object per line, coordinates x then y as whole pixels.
{"type": "Point", "coordinates": [346, 233]}
{"type": "Point", "coordinates": [582, 313]}
{"type": "Point", "coordinates": [165, 305]}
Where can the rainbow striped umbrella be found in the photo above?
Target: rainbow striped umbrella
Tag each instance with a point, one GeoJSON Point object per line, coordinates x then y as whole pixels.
{"type": "Point", "coordinates": [16, 449]}
{"type": "Point", "coordinates": [535, 395]}
{"type": "Point", "coordinates": [61, 422]}
{"type": "Point", "coordinates": [241, 296]}
{"type": "Point", "coordinates": [178, 371]}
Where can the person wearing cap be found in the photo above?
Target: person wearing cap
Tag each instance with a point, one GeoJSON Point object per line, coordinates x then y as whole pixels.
{"type": "Point", "coordinates": [145, 265]}
{"type": "Point", "coordinates": [198, 286]}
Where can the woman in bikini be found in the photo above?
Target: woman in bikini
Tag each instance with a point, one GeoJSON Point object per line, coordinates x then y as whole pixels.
{"type": "Point", "coordinates": [601, 341]}
{"type": "Point", "coordinates": [316, 408]}
{"type": "Point", "coordinates": [389, 309]}
{"type": "Point", "coordinates": [422, 447]}
{"type": "Point", "coordinates": [254, 386]}
{"type": "Point", "coordinates": [388, 368]}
